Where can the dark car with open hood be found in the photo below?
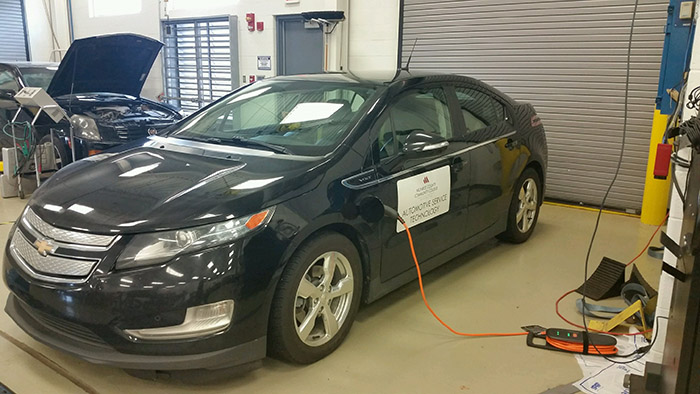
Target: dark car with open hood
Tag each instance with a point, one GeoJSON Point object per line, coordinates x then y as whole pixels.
{"type": "Point", "coordinates": [250, 227]}
{"type": "Point", "coordinates": [98, 83]}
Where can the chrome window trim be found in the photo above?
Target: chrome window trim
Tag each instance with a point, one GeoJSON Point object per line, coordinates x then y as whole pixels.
{"type": "Point", "coordinates": [346, 182]}
{"type": "Point", "coordinates": [47, 278]}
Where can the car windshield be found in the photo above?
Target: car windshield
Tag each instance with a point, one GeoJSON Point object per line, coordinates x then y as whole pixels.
{"type": "Point", "coordinates": [38, 77]}
{"type": "Point", "coordinates": [298, 117]}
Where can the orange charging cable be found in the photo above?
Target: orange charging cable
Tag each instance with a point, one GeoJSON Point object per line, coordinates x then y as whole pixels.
{"type": "Point", "coordinates": [425, 301]}
{"type": "Point", "coordinates": [557, 343]}
{"type": "Point", "coordinates": [608, 350]}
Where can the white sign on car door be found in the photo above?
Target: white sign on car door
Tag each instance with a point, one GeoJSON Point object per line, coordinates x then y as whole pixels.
{"type": "Point", "coordinates": [423, 196]}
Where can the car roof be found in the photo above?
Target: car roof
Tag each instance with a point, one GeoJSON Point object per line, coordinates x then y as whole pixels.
{"type": "Point", "coordinates": [402, 77]}
{"type": "Point", "coordinates": [366, 77]}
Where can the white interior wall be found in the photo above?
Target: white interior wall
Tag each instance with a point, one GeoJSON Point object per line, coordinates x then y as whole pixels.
{"type": "Point", "coordinates": [366, 41]}
{"type": "Point", "coordinates": [373, 37]}
{"type": "Point", "coordinates": [144, 23]}
{"type": "Point", "coordinates": [41, 43]}
{"type": "Point", "coordinates": [256, 43]}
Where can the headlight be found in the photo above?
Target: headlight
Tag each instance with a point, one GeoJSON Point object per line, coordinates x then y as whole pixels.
{"type": "Point", "coordinates": [85, 127]}
{"type": "Point", "coordinates": [155, 248]}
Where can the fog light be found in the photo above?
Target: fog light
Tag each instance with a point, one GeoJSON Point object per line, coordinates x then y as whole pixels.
{"type": "Point", "coordinates": [199, 321]}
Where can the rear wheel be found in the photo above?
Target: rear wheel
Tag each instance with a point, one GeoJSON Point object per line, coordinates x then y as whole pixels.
{"type": "Point", "coordinates": [524, 207]}
{"type": "Point", "coordinates": [316, 300]}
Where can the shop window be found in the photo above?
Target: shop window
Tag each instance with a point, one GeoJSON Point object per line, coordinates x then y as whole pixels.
{"type": "Point", "coordinates": [197, 62]}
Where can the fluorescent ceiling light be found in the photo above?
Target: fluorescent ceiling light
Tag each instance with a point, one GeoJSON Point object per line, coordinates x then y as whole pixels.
{"type": "Point", "coordinates": [139, 170]}
{"type": "Point", "coordinates": [82, 209]}
{"type": "Point", "coordinates": [54, 208]}
{"type": "Point", "coordinates": [132, 224]}
{"type": "Point", "coordinates": [254, 183]}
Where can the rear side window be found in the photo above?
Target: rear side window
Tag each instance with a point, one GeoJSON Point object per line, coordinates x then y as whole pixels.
{"type": "Point", "coordinates": [424, 109]}
{"type": "Point", "coordinates": [479, 110]}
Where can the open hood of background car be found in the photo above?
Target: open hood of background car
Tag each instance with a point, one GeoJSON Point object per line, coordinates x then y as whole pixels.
{"type": "Point", "coordinates": [116, 63]}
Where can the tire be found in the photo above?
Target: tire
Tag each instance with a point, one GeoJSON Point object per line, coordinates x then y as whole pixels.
{"type": "Point", "coordinates": [526, 195]}
{"type": "Point", "coordinates": [295, 302]}
{"type": "Point", "coordinates": [60, 152]}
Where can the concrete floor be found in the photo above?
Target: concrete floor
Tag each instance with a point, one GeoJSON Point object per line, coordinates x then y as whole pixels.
{"type": "Point", "coordinates": [395, 345]}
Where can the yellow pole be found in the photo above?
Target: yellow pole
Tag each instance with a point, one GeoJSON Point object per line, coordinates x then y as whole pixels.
{"type": "Point", "coordinates": [656, 191]}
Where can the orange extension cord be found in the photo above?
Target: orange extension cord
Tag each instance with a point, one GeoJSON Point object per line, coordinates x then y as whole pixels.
{"type": "Point", "coordinates": [606, 350]}
{"type": "Point", "coordinates": [425, 301]}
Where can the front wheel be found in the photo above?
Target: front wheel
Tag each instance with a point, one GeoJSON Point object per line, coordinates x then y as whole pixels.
{"type": "Point", "coordinates": [316, 300]}
{"type": "Point", "coordinates": [524, 207]}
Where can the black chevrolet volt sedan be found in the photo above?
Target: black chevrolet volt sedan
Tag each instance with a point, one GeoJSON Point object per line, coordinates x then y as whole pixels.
{"type": "Point", "coordinates": [241, 231]}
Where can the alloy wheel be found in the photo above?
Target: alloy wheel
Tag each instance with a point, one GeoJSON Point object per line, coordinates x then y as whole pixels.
{"type": "Point", "coordinates": [527, 208]}
{"type": "Point", "coordinates": [323, 298]}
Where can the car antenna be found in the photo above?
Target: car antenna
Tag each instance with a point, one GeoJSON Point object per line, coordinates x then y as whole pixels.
{"type": "Point", "coordinates": [408, 62]}
{"type": "Point", "coordinates": [72, 84]}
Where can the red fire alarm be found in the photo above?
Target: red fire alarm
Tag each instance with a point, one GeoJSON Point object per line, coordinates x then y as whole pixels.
{"type": "Point", "coordinates": [251, 78]}
{"type": "Point", "coordinates": [261, 26]}
{"type": "Point", "coordinates": [250, 18]}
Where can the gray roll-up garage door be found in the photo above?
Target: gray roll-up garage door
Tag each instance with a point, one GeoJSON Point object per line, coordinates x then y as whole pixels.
{"type": "Point", "coordinates": [566, 57]}
{"type": "Point", "coordinates": [13, 40]}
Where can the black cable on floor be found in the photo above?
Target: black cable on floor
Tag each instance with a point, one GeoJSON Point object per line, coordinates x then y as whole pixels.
{"type": "Point", "coordinates": [607, 192]}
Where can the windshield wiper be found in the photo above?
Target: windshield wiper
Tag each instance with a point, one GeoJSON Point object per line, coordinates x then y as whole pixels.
{"type": "Point", "coordinates": [209, 140]}
{"type": "Point", "coordinates": [240, 142]}
{"type": "Point", "coordinates": [258, 144]}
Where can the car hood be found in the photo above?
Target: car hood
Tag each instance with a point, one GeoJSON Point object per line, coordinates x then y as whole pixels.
{"type": "Point", "coordinates": [157, 187]}
{"type": "Point", "coordinates": [115, 63]}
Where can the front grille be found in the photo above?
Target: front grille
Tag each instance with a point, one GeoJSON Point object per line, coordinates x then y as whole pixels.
{"type": "Point", "coordinates": [63, 327]}
{"type": "Point", "coordinates": [54, 254]}
{"type": "Point", "coordinates": [62, 235]}
{"type": "Point", "coordinates": [49, 264]}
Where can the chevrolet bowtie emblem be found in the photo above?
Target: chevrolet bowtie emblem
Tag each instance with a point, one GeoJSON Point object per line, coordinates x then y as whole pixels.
{"type": "Point", "coordinates": [43, 246]}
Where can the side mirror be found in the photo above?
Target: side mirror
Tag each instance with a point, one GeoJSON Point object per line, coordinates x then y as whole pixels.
{"type": "Point", "coordinates": [423, 143]}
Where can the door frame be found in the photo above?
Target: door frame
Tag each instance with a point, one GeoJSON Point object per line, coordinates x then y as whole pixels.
{"type": "Point", "coordinates": [281, 55]}
{"type": "Point", "coordinates": [279, 44]}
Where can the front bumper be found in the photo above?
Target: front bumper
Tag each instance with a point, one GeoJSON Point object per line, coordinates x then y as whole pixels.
{"type": "Point", "coordinates": [89, 319]}
{"type": "Point", "coordinates": [34, 326]}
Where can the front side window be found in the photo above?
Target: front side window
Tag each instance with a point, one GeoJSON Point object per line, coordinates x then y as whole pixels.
{"type": "Point", "coordinates": [479, 110]}
{"type": "Point", "coordinates": [424, 110]}
{"type": "Point", "coordinates": [304, 117]}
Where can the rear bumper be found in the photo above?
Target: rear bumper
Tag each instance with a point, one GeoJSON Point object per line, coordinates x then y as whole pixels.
{"type": "Point", "coordinates": [241, 354]}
